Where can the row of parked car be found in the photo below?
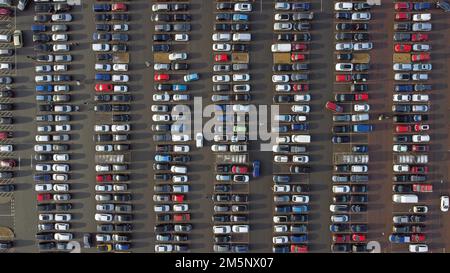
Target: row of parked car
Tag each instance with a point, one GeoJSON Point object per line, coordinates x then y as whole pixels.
{"type": "Point", "coordinates": [231, 88]}
{"type": "Point", "coordinates": [171, 161]}
{"type": "Point", "coordinates": [7, 160]}
{"type": "Point", "coordinates": [53, 48]}
{"type": "Point", "coordinates": [411, 103]}
{"type": "Point", "coordinates": [292, 22]}
{"type": "Point", "coordinates": [112, 132]}
{"type": "Point", "coordinates": [351, 116]}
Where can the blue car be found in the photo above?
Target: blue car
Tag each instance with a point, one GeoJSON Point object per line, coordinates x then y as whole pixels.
{"type": "Point", "coordinates": [282, 209]}
{"type": "Point", "coordinates": [179, 87]}
{"type": "Point", "coordinates": [399, 239]}
{"type": "Point", "coordinates": [422, 6]}
{"type": "Point", "coordinates": [191, 77]}
{"type": "Point", "coordinates": [299, 238]}
{"type": "Point", "coordinates": [101, 7]}
{"type": "Point", "coordinates": [256, 168]}
{"type": "Point", "coordinates": [362, 128]}
{"type": "Point", "coordinates": [121, 246]}
{"type": "Point", "coordinates": [240, 17]}
{"type": "Point", "coordinates": [360, 149]}
{"type": "Point", "coordinates": [280, 249]}
{"type": "Point", "coordinates": [102, 77]}
{"type": "Point", "coordinates": [301, 6]}
{"type": "Point", "coordinates": [42, 177]}
{"type": "Point", "coordinates": [224, 118]}
{"type": "Point", "coordinates": [300, 208]}
{"type": "Point", "coordinates": [163, 158]}
{"type": "Point", "coordinates": [44, 88]}
{"type": "Point", "coordinates": [38, 28]}
{"type": "Point", "coordinates": [300, 127]}
{"type": "Point", "coordinates": [404, 88]}
{"type": "Point", "coordinates": [47, 98]}
{"type": "Point", "coordinates": [220, 107]}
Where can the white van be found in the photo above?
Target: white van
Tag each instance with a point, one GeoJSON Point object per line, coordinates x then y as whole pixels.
{"type": "Point", "coordinates": [405, 198]}
{"type": "Point", "coordinates": [281, 47]}
{"type": "Point", "coordinates": [242, 37]}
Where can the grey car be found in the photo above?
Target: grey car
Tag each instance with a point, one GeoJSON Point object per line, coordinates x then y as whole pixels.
{"type": "Point", "coordinates": [299, 77]}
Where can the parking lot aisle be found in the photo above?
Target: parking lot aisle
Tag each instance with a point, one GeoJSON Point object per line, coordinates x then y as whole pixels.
{"type": "Point", "coordinates": [24, 197]}
{"type": "Point", "coordinates": [261, 196]}
{"type": "Point", "coordinates": [322, 68]}
{"type": "Point", "coordinates": [380, 140]}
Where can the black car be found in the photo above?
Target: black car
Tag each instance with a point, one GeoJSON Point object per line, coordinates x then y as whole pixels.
{"type": "Point", "coordinates": [361, 6]}
{"type": "Point", "coordinates": [181, 17]}
{"type": "Point", "coordinates": [359, 87]}
{"type": "Point", "coordinates": [359, 37]}
{"type": "Point", "coordinates": [63, 206]}
{"type": "Point", "coordinates": [282, 67]}
{"type": "Point", "coordinates": [44, 236]}
{"type": "Point", "coordinates": [343, 168]}
{"type": "Point", "coordinates": [223, 17]}
{"type": "Point", "coordinates": [6, 120]}
{"type": "Point", "coordinates": [299, 169]}
{"type": "Point", "coordinates": [120, 17]}
{"type": "Point", "coordinates": [225, 6]}
{"type": "Point", "coordinates": [239, 47]}
{"type": "Point", "coordinates": [104, 57]}
{"type": "Point", "coordinates": [359, 198]}
{"type": "Point", "coordinates": [46, 245]}
{"type": "Point", "coordinates": [283, 98]}
{"type": "Point", "coordinates": [359, 188]}
{"type": "Point", "coordinates": [360, 77]}
{"type": "Point", "coordinates": [343, 15]}
{"type": "Point", "coordinates": [344, 97]}
{"type": "Point", "coordinates": [41, 18]}
{"type": "Point", "coordinates": [41, 38]}
{"type": "Point", "coordinates": [342, 198]}
{"type": "Point", "coordinates": [122, 197]}
{"type": "Point", "coordinates": [242, 97]}
{"type": "Point", "coordinates": [120, 108]}
{"type": "Point", "coordinates": [240, 27]}
{"type": "Point", "coordinates": [162, 87]}
{"type": "Point", "coordinates": [302, 37]}
{"type": "Point", "coordinates": [62, 7]}
{"type": "Point", "coordinates": [6, 187]}
{"type": "Point", "coordinates": [341, 247]}
{"type": "Point", "coordinates": [221, 87]}
{"type": "Point", "coordinates": [120, 118]}
{"type": "Point", "coordinates": [341, 129]}
{"type": "Point", "coordinates": [102, 17]}
{"type": "Point", "coordinates": [102, 27]}
{"type": "Point", "coordinates": [43, 8]}
{"type": "Point", "coordinates": [179, 66]}
{"type": "Point", "coordinates": [361, 67]}
{"type": "Point", "coordinates": [401, 188]}
{"type": "Point", "coordinates": [223, 168]}
{"type": "Point", "coordinates": [344, 27]}
{"type": "Point", "coordinates": [161, 37]}
{"type": "Point", "coordinates": [121, 98]}
{"type": "Point", "coordinates": [340, 139]}
{"type": "Point", "coordinates": [101, 36]}
{"type": "Point", "coordinates": [161, 48]}
{"type": "Point", "coordinates": [182, 27]}
{"type": "Point", "coordinates": [103, 98]}
{"type": "Point", "coordinates": [402, 26]}
{"type": "Point", "coordinates": [422, 87]}
{"type": "Point", "coordinates": [358, 228]}
{"type": "Point", "coordinates": [361, 26]}
{"type": "Point", "coordinates": [222, 27]}
{"type": "Point", "coordinates": [300, 66]}
{"type": "Point", "coordinates": [119, 48]}
{"type": "Point", "coordinates": [46, 207]}
{"type": "Point", "coordinates": [343, 36]}
{"type": "Point", "coordinates": [181, 158]}
{"type": "Point", "coordinates": [239, 198]}
{"type": "Point", "coordinates": [6, 106]}
{"type": "Point", "coordinates": [358, 208]}
{"type": "Point", "coordinates": [402, 37]}
{"type": "Point", "coordinates": [120, 37]}
{"type": "Point", "coordinates": [43, 47]}
{"type": "Point", "coordinates": [123, 227]}
{"type": "Point", "coordinates": [344, 56]}
{"type": "Point", "coordinates": [298, 217]}
{"type": "Point", "coordinates": [161, 17]}
{"type": "Point", "coordinates": [221, 218]}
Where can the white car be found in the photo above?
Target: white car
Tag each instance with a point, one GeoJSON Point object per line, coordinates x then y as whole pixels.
{"type": "Point", "coordinates": [42, 138]}
{"type": "Point", "coordinates": [181, 148]}
{"type": "Point", "coordinates": [282, 17]}
{"type": "Point", "coordinates": [300, 158]}
{"type": "Point", "coordinates": [45, 217]}
{"type": "Point", "coordinates": [398, 168]}
{"type": "Point", "coordinates": [181, 97]}
{"type": "Point", "coordinates": [362, 46]}
{"type": "Point", "coordinates": [221, 47]}
{"type": "Point", "coordinates": [62, 168]}
{"type": "Point", "coordinates": [418, 248]}
{"type": "Point", "coordinates": [422, 17]}
{"type": "Point", "coordinates": [280, 239]}
{"type": "Point", "coordinates": [282, 26]}
{"type": "Point", "coordinates": [121, 88]}
{"type": "Point", "coordinates": [421, 138]}
{"type": "Point", "coordinates": [121, 127]}
{"type": "Point", "coordinates": [199, 140]}
{"type": "Point", "coordinates": [181, 207]}
{"type": "Point", "coordinates": [283, 88]}
{"type": "Point", "coordinates": [62, 226]}
{"type": "Point", "coordinates": [101, 47]}
{"type": "Point", "coordinates": [163, 248]}
{"type": "Point", "coordinates": [157, 117]}
{"type": "Point", "coordinates": [221, 78]}
{"type": "Point", "coordinates": [62, 17]}
{"type": "Point", "coordinates": [182, 37]}
{"type": "Point", "coordinates": [444, 203]}
{"type": "Point", "coordinates": [344, 46]}
{"type": "Point", "coordinates": [61, 47]}
{"type": "Point", "coordinates": [161, 208]}
{"type": "Point", "coordinates": [344, 67]}
{"type": "Point", "coordinates": [219, 148]}
{"type": "Point", "coordinates": [360, 117]}
{"type": "Point", "coordinates": [343, 6]}
{"type": "Point", "coordinates": [341, 189]}
{"type": "Point", "coordinates": [100, 217]}
{"type": "Point", "coordinates": [281, 158]}
{"type": "Point", "coordinates": [43, 167]}
{"type": "Point", "coordinates": [303, 199]}
{"type": "Point", "coordinates": [281, 188]}
{"type": "Point", "coordinates": [303, 97]}
{"type": "Point", "coordinates": [161, 97]}
{"type": "Point", "coordinates": [102, 128]}
{"type": "Point", "coordinates": [280, 228]}
{"type": "Point", "coordinates": [222, 229]}
{"type": "Point", "coordinates": [60, 37]}
{"type": "Point", "coordinates": [102, 168]}
{"type": "Point", "coordinates": [282, 6]}
{"type": "Point", "coordinates": [300, 108]}
{"type": "Point", "coordinates": [222, 37]}
{"type": "Point", "coordinates": [104, 148]}
{"type": "Point", "coordinates": [400, 148]}
{"type": "Point", "coordinates": [361, 16]}
{"type": "Point", "coordinates": [280, 78]}
{"type": "Point", "coordinates": [402, 67]}
{"type": "Point", "coordinates": [60, 157]}
{"type": "Point", "coordinates": [401, 98]}
{"type": "Point", "coordinates": [59, 67]}
{"type": "Point", "coordinates": [103, 187]}
{"type": "Point", "coordinates": [63, 128]}
{"type": "Point", "coordinates": [361, 107]}
{"type": "Point", "coordinates": [120, 78]}
{"type": "Point", "coordinates": [180, 178]}
{"type": "Point", "coordinates": [339, 218]}
{"type": "Point", "coordinates": [63, 217]}
{"type": "Point", "coordinates": [178, 56]}
{"type": "Point", "coordinates": [420, 97]}
{"type": "Point", "coordinates": [120, 67]}
{"type": "Point", "coordinates": [421, 47]}
{"type": "Point", "coordinates": [178, 169]}
{"type": "Point", "coordinates": [120, 27]}
{"type": "Point", "coordinates": [6, 148]}
{"type": "Point", "coordinates": [181, 137]}
{"type": "Point", "coordinates": [61, 187]}
{"type": "Point", "coordinates": [241, 108]}
{"type": "Point", "coordinates": [240, 228]}
{"type": "Point", "coordinates": [241, 77]}
{"type": "Point", "coordinates": [60, 177]}
{"type": "Point", "coordinates": [243, 7]}
{"type": "Point", "coordinates": [43, 187]}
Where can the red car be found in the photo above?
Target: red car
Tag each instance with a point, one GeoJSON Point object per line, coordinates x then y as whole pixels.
{"type": "Point", "coordinates": [177, 197]}
{"type": "Point", "coordinates": [299, 249]}
{"type": "Point", "coordinates": [419, 37]}
{"type": "Point", "coordinates": [420, 148]}
{"type": "Point", "coordinates": [403, 128]}
{"type": "Point", "coordinates": [402, 48]}
{"type": "Point", "coordinates": [418, 237]}
{"type": "Point", "coordinates": [420, 57]}
{"type": "Point", "coordinates": [181, 217]}
{"type": "Point", "coordinates": [421, 127]}
{"type": "Point", "coordinates": [403, 6]}
{"type": "Point", "coordinates": [341, 238]}
{"type": "Point", "coordinates": [343, 78]}
{"type": "Point", "coordinates": [295, 57]}
{"type": "Point", "coordinates": [44, 197]}
{"type": "Point", "coordinates": [119, 7]}
{"type": "Point", "coordinates": [362, 96]}
{"type": "Point", "coordinates": [299, 47]}
{"type": "Point", "coordinates": [334, 107]}
{"type": "Point", "coordinates": [103, 87]}
{"type": "Point", "coordinates": [4, 11]}
{"type": "Point", "coordinates": [422, 188]}
{"type": "Point", "coordinates": [103, 177]}
{"type": "Point", "coordinates": [236, 169]}
{"type": "Point", "coordinates": [7, 163]}
{"type": "Point", "coordinates": [221, 58]}
{"type": "Point", "coordinates": [300, 87]}
{"type": "Point", "coordinates": [358, 237]}
{"type": "Point", "coordinates": [402, 16]}
{"type": "Point", "coordinates": [161, 77]}
{"type": "Point", "coordinates": [419, 169]}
